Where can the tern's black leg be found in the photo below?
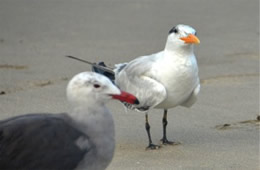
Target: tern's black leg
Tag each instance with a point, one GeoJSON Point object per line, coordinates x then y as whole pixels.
{"type": "Point", "coordinates": [164, 140]}
{"type": "Point", "coordinates": [147, 128]}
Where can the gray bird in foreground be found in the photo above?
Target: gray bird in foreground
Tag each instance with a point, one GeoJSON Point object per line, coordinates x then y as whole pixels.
{"type": "Point", "coordinates": [162, 80]}
{"type": "Point", "coordinates": [81, 139]}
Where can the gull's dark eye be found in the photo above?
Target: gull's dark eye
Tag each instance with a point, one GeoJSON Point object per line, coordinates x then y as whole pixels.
{"type": "Point", "coordinates": [195, 33]}
{"type": "Point", "coordinates": [173, 30]}
{"type": "Point", "coordinates": [96, 85]}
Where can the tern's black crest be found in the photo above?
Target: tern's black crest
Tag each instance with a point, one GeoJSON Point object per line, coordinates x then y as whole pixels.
{"type": "Point", "coordinates": [173, 30]}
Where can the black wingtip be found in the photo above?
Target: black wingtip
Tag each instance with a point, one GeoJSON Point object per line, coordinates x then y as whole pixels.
{"type": "Point", "coordinates": [136, 101]}
{"type": "Point", "coordinates": [99, 70]}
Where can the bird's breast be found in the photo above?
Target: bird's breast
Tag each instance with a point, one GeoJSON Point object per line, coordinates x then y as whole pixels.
{"type": "Point", "coordinates": [179, 78]}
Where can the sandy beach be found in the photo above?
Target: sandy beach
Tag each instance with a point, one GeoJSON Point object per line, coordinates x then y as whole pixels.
{"type": "Point", "coordinates": [220, 131]}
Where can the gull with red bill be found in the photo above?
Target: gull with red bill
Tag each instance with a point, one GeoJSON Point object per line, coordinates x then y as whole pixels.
{"type": "Point", "coordinates": [80, 139]}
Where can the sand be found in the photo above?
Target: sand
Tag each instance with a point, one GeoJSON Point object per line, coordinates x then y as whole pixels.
{"type": "Point", "coordinates": [219, 132]}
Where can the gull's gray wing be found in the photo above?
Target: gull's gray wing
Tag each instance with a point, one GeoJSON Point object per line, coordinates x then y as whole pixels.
{"type": "Point", "coordinates": [40, 141]}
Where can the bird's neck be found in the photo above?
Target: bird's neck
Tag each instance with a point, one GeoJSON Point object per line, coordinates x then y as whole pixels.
{"type": "Point", "coordinates": [97, 123]}
{"type": "Point", "coordinates": [186, 50]}
{"type": "Point", "coordinates": [81, 113]}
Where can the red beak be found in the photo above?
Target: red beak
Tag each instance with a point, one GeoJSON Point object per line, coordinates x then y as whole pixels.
{"type": "Point", "coordinates": [126, 97]}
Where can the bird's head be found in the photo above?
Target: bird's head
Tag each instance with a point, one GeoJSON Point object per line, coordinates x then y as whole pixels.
{"type": "Point", "coordinates": [182, 36]}
{"type": "Point", "coordinates": [90, 88]}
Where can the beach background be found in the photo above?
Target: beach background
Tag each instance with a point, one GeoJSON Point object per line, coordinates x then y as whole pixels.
{"type": "Point", "coordinates": [220, 131]}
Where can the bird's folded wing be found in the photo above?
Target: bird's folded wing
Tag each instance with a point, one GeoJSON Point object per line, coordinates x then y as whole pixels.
{"type": "Point", "coordinates": [43, 141]}
{"type": "Point", "coordinates": [137, 78]}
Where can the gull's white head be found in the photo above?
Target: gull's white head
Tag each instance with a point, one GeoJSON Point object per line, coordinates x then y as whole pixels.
{"type": "Point", "coordinates": [88, 88]}
{"type": "Point", "coordinates": [182, 35]}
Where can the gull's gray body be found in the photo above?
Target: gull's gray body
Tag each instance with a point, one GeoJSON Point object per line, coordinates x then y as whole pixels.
{"type": "Point", "coordinates": [40, 140]}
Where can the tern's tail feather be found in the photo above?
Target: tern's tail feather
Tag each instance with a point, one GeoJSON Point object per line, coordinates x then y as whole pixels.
{"type": "Point", "coordinates": [104, 70]}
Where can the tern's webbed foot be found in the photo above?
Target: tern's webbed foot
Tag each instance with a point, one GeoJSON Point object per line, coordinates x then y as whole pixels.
{"type": "Point", "coordinates": [165, 141]}
{"type": "Point", "coordinates": [152, 147]}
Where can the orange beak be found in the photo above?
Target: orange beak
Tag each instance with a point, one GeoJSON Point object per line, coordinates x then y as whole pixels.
{"type": "Point", "coordinates": [191, 39]}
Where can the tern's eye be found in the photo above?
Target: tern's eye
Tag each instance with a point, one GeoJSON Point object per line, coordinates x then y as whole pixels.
{"type": "Point", "coordinates": [173, 30]}
{"type": "Point", "coordinates": [195, 33]}
{"type": "Point", "coordinates": [96, 86]}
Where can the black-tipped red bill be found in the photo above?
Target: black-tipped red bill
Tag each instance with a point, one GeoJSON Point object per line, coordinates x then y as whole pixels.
{"type": "Point", "coordinates": [126, 97]}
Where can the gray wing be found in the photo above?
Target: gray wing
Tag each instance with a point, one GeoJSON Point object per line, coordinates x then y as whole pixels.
{"type": "Point", "coordinates": [137, 78]}
{"type": "Point", "coordinates": [40, 141]}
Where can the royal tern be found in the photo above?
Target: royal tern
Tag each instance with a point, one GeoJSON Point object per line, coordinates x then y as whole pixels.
{"type": "Point", "coordinates": [162, 80]}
